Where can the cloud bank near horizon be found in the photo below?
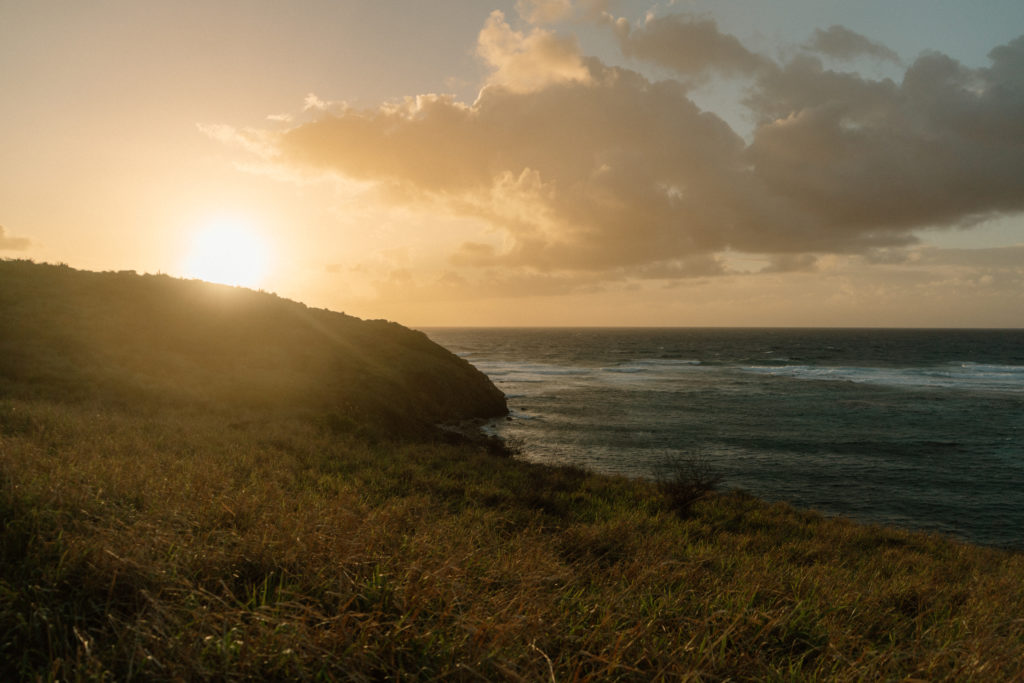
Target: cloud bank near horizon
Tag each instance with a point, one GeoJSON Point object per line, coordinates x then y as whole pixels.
{"type": "Point", "coordinates": [585, 168]}
{"type": "Point", "coordinates": [8, 243]}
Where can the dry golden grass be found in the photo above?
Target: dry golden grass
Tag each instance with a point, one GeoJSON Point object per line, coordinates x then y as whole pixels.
{"type": "Point", "coordinates": [181, 544]}
{"type": "Point", "coordinates": [208, 483]}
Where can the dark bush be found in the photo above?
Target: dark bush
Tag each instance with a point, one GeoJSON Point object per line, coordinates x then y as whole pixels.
{"type": "Point", "coordinates": [685, 479]}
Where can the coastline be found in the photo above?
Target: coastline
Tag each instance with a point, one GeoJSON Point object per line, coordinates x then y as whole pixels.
{"type": "Point", "coordinates": [150, 536]}
{"type": "Point", "coordinates": [913, 427]}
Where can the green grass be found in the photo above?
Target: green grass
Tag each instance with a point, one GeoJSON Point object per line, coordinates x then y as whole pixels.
{"type": "Point", "coordinates": [199, 544]}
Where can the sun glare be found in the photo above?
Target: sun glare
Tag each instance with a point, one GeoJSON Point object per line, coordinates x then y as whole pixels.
{"type": "Point", "coordinates": [229, 251]}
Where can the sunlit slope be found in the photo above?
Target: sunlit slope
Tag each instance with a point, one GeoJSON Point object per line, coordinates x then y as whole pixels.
{"type": "Point", "coordinates": [122, 337]}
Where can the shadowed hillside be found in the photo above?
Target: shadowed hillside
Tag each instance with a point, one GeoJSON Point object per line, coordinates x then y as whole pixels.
{"type": "Point", "coordinates": [124, 337]}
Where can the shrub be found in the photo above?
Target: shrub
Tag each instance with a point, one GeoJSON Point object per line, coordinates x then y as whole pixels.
{"type": "Point", "coordinates": [684, 479]}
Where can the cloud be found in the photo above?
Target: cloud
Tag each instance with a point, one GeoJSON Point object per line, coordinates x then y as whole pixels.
{"type": "Point", "coordinates": [581, 169]}
{"type": "Point", "coordinates": [689, 46]}
{"type": "Point", "coordinates": [1011, 257]}
{"type": "Point", "coordinates": [525, 62]}
{"type": "Point", "coordinates": [791, 263]}
{"type": "Point", "coordinates": [402, 285]}
{"type": "Point", "coordinates": [615, 171]}
{"type": "Point", "coordinates": [875, 159]}
{"type": "Point", "coordinates": [678, 269]}
{"type": "Point", "coordinates": [253, 140]}
{"type": "Point", "coordinates": [544, 11]}
{"type": "Point", "coordinates": [949, 276]}
{"type": "Point", "coordinates": [12, 243]}
{"type": "Point", "coordinates": [553, 11]}
{"type": "Point", "coordinates": [842, 43]}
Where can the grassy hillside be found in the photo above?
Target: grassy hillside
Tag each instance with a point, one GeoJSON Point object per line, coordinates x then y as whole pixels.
{"type": "Point", "coordinates": [160, 532]}
{"type": "Point", "coordinates": [151, 339]}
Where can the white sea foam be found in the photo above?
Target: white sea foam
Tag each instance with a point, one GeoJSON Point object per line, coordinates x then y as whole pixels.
{"type": "Point", "coordinates": [957, 376]}
{"type": "Point", "coordinates": [965, 376]}
{"type": "Point", "coordinates": [656, 364]}
{"type": "Point", "coordinates": [654, 368]}
{"type": "Point", "coordinates": [509, 371]}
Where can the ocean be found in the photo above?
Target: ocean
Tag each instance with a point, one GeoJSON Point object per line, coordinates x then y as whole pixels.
{"type": "Point", "coordinates": [921, 429]}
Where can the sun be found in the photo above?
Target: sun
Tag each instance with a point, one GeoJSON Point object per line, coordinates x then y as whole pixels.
{"type": "Point", "coordinates": [228, 250]}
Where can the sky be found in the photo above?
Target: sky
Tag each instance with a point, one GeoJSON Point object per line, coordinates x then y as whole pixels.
{"type": "Point", "coordinates": [531, 162]}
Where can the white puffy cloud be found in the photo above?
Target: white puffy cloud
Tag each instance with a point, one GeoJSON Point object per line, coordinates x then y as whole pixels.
{"type": "Point", "coordinates": [525, 62]}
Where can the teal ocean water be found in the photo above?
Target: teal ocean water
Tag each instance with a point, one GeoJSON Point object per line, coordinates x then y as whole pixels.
{"type": "Point", "coordinates": [918, 428]}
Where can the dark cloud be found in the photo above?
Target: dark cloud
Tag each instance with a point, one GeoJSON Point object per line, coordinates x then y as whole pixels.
{"type": "Point", "coordinates": [688, 45]}
{"type": "Point", "coordinates": [842, 43]}
{"type": "Point", "coordinates": [584, 167]}
{"type": "Point", "coordinates": [876, 159]}
{"type": "Point", "coordinates": [12, 243]}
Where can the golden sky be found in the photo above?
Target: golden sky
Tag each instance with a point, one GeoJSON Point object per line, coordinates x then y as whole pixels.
{"type": "Point", "coordinates": [531, 162]}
